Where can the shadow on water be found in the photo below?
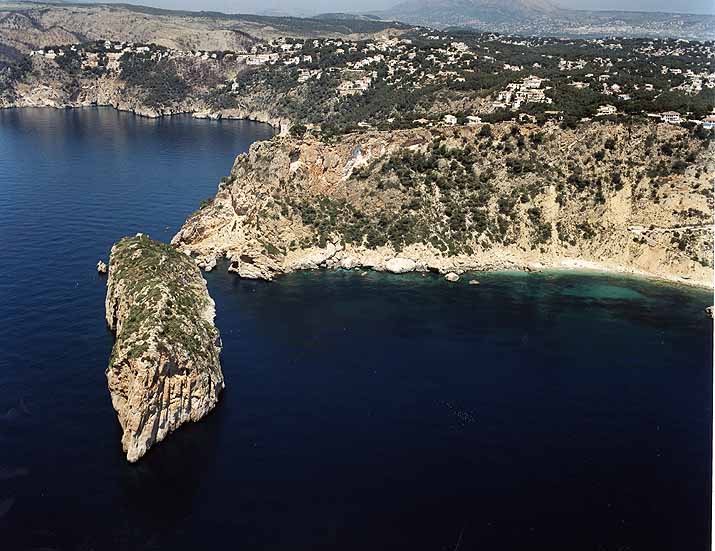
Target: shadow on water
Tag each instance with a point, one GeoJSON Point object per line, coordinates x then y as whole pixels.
{"type": "Point", "coordinates": [171, 473]}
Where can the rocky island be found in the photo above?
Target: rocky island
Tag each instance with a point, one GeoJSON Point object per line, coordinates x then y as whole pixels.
{"type": "Point", "coordinates": [164, 370]}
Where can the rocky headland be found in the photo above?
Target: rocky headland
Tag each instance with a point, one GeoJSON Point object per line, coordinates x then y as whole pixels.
{"type": "Point", "coordinates": [44, 84]}
{"type": "Point", "coordinates": [607, 196]}
{"type": "Point", "coordinates": [164, 370]}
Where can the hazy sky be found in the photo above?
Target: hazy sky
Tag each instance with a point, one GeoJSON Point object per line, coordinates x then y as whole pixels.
{"type": "Point", "coordinates": [320, 6]}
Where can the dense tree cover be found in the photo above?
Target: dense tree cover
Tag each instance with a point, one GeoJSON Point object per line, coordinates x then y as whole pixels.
{"type": "Point", "coordinates": [312, 101]}
{"type": "Point", "coordinates": [70, 62]}
{"type": "Point", "coordinates": [699, 105]}
{"type": "Point", "coordinates": [486, 79]}
{"type": "Point", "coordinates": [157, 78]}
{"type": "Point", "coordinates": [298, 130]}
{"type": "Point", "coordinates": [378, 104]}
{"type": "Point", "coordinates": [222, 97]}
{"type": "Point", "coordinates": [13, 72]}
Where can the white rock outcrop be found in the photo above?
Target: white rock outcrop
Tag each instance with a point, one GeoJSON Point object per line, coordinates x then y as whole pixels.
{"type": "Point", "coordinates": [400, 265]}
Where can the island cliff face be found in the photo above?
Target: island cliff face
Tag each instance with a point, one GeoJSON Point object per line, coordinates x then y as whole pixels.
{"type": "Point", "coordinates": [607, 196]}
{"type": "Point", "coordinates": [165, 369]}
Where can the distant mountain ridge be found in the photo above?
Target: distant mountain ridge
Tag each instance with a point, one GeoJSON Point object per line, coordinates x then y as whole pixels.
{"type": "Point", "coordinates": [544, 17]}
{"type": "Point", "coordinates": [342, 16]}
{"type": "Point", "coordinates": [66, 21]}
{"type": "Point", "coordinates": [483, 10]}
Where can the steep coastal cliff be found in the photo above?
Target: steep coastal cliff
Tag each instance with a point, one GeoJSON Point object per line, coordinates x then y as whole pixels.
{"type": "Point", "coordinates": [165, 369]}
{"type": "Point", "coordinates": [607, 196]}
{"type": "Point", "coordinates": [180, 87]}
{"type": "Point", "coordinates": [111, 92]}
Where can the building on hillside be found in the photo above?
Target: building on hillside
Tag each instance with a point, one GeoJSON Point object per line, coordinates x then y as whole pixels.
{"type": "Point", "coordinates": [532, 82]}
{"type": "Point", "coordinates": [357, 86]}
{"type": "Point", "coordinates": [709, 122]}
{"type": "Point", "coordinates": [554, 115]}
{"type": "Point", "coordinates": [605, 110]}
{"type": "Point", "coordinates": [307, 74]}
{"type": "Point", "coordinates": [527, 91]}
{"type": "Point", "coordinates": [259, 59]}
{"type": "Point", "coordinates": [671, 117]}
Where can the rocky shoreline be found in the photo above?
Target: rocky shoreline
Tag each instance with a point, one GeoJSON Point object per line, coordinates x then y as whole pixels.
{"type": "Point", "coordinates": [286, 196]}
{"type": "Point", "coordinates": [164, 370]}
{"type": "Point", "coordinates": [281, 126]}
{"type": "Point", "coordinates": [388, 261]}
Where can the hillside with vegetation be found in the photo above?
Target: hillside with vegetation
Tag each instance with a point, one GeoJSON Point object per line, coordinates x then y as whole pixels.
{"type": "Point", "coordinates": [336, 85]}
{"type": "Point", "coordinates": [633, 198]}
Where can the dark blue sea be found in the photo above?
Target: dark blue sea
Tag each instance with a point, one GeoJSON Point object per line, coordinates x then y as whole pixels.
{"type": "Point", "coordinates": [553, 411]}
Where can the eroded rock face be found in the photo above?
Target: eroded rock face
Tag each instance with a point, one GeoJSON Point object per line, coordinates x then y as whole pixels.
{"type": "Point", "coordinates": [165, 369]}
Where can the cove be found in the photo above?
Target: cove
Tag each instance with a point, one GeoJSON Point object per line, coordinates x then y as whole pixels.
{"type": "Point", "coordinates": [549, 410]}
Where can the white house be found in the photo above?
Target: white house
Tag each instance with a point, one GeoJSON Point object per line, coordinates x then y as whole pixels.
{"type": "Point", "coordinates": [671, 117]}
{"type": "Point", "coordinates": [604, 110]}
{"type": "Point", "coordinates": [709, 122]}
{"type": "Point", "coordinates": [450, 119]}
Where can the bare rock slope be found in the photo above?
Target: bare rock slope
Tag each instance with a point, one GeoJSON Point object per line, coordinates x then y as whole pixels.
{"type": "Point", "coordinates": [165, 369]}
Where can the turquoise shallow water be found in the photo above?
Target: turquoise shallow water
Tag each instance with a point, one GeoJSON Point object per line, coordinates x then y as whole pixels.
{"type": "Point", "coordinates": [539, 411]}
{"type": "Point", "coordinates": [598, 290]}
